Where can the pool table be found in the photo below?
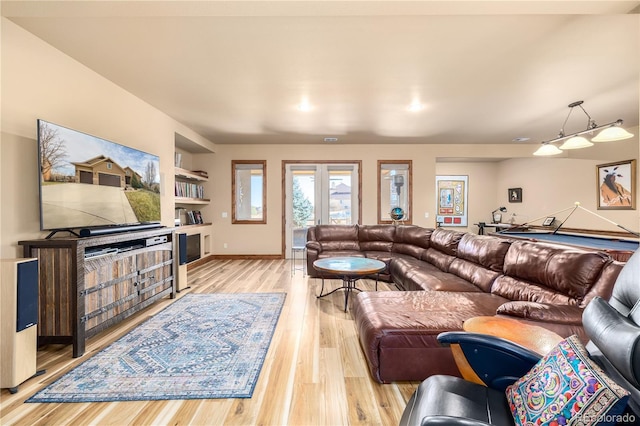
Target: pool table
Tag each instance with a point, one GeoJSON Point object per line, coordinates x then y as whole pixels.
{"type": "Point", "coordinates": [616, 247]}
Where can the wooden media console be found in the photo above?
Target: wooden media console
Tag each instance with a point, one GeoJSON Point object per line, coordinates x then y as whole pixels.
{"type": "Point", "coordinates": [89, 284]}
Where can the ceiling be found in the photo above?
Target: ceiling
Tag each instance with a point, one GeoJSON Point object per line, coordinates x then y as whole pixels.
{"type": "Point", "coordinates": [238, 71]}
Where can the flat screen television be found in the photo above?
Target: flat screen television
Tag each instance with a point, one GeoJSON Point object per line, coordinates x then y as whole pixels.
{"type": "Point", "coordinates": [88, 182]}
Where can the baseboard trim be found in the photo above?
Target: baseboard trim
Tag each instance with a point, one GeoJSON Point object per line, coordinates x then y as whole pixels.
{"type": "Point", "coordinates": [247, 256]}
{"type": "Point", "coordinates": [199, 262]}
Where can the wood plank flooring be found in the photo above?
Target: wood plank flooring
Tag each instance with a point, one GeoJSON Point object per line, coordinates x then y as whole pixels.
{"type": "Point", "coordinates": [314, 373]}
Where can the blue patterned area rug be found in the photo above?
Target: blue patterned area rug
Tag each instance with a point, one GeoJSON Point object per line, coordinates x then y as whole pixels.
{"type": "Point", "coordinates": [201, 346]}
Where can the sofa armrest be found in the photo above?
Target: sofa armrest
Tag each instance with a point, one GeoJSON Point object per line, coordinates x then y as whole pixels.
{"type": "Point", "coordinates": [314, 245]}
{"type": "Point", "coordinates": [542, 312]}
{"type": "Point", "coordinates": [496, 362]}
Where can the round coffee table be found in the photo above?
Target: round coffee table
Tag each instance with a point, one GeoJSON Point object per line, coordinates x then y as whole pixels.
{"type": "Point", "coordinates": [350, 270]}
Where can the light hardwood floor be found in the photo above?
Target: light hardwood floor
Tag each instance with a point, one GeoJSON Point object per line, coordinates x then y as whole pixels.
{"type": "Point", "coordinates": [314, 373]}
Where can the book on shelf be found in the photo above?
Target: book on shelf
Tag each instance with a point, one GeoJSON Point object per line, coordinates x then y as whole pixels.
{"type": "Point", "coordinates": [198, 216]}
{"type": "Point", "coordinates": [194, 217]}
{"type": "Point", "coordinates": [189, 190]}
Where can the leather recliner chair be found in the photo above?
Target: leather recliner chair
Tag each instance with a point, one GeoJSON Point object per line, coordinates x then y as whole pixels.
{"type": "Point", "coordinates": [613, 328]}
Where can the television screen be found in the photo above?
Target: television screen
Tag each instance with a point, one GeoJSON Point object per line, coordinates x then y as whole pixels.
{"type": "Point", "coordinates": [87, 182]}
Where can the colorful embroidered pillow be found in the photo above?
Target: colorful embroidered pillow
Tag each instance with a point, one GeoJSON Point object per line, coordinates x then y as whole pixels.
{"type": "Point", "coordinates": [565, 387]}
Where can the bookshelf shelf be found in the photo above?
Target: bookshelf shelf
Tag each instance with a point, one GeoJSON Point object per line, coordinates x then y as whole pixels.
{"type": "Point", "coordinates": [191, 175]}
{"type": "Point", "coordinates": [187, 227]}
{"type": "Point", "coordinates": [193, 201]}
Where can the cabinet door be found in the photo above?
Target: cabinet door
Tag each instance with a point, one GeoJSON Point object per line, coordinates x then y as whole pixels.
{"type": "Point", "coordinates": [57, 290]}
{"type": "Point", "coordinates": [155, 267]}
{"type": "Point", "coordinates": [111, 287]}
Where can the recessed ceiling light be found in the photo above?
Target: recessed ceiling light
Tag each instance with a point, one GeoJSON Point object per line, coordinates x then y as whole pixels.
{"type": "Point", "coordinates": [331, 139]}
{"type": "Point", "coordinates": [415, 106]}
{"type": "Point", "coordinates": [304, 106]}
{"type": "Point", "coordinates": [521, 139]}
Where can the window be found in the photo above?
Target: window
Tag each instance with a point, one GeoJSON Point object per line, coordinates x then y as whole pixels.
{"type": "Point", "coordinates": [394, 191]}
{"type": "Point", "coordinates": [249, 191]}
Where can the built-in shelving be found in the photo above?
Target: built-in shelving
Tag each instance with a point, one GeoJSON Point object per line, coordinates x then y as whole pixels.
{"type": "Point", "coordinates": [189, 189]}
{"type": "Point", "coordinates": [192, 175]}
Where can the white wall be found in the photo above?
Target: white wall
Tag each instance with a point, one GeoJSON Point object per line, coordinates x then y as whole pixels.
{"type": "Point", "coordinates": [39, 81]}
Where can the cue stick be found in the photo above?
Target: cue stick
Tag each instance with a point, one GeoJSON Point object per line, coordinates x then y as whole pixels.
{"type": "Point", "coordinates": [546, 215]}
{"type": "Point", "coordinates": [610, 221]}
{"type": "Point", "coordinates": [577, 204]}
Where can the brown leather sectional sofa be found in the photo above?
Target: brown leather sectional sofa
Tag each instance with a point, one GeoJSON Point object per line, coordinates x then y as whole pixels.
{"type": "Point", "coordinates": [448, 277]}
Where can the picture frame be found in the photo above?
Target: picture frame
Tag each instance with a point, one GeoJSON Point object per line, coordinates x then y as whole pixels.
{"type": "Point", "coordinates": [515, 195]}
{"type": "Point", "coordinates": [451, 200]}
{"type": "Point", "coordinates": [616, 185]}
{"type": "Point", "coordinates": [548, 221]}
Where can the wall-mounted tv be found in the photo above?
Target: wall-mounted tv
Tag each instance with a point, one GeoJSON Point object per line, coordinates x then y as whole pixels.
{"type": "Point", "coordinates": [89, 182]}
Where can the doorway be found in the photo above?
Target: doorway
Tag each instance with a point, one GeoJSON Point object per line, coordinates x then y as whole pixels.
{"type": "Point", "coordinates": [318, 193]}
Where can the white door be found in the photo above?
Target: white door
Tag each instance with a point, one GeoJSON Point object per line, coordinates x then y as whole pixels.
{"type": "Point", "coordinates": [319, 193]}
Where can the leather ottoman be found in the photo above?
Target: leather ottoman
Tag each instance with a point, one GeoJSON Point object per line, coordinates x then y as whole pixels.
{"type": "Point", "coordinates": [398, 330]}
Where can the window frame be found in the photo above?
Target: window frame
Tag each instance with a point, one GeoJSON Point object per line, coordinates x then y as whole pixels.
{"type": "Point", "coordinates": [409, 188]}
{"type": "Point", "coordinates": [262, 166]}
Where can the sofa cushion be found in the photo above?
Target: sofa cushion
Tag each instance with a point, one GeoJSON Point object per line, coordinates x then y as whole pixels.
{"type": "Point", "coordinates": [440, 260]}
{"type": "Point", "coordinates": [446, 240]}
{"type": "Point", "coordinates": [412, 240]}
{"type": "Point", "coordinates": [486, 251]}
{"type": "Point", "coordinates": [411, 275]}
{"type": "Point", "coordinates": [603, 287]}
{"type": "Point", "coordinates": [336, 232]}
{"type": "Point", "coordinates": [548, 274]}
{"type": "Point", "coordinates": [386, 257]}
{"type": "Point", "coordinates": [565, 387]}
{"type": "Point", "coordinates": [480, 259]}
{"type": "Point", "coordinates": [515, 289]}
{"type": "Point", "coordinates": [376, 237]}
{"type": "Point", "coordinates": [473, 273]}
{"type": "Point", "coordinates": [543, 312]}
{"type": "Point", "coordinates": [398, 330]}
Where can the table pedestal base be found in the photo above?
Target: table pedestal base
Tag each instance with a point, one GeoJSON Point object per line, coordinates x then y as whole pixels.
{"type": "Point", "coordinates": [348, 285]}
{"type": "Point", "coordinates": [349, 270]}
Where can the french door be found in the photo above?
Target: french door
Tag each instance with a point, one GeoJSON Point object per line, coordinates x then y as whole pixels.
{"type": "Point", "coordinates": [319, 193]}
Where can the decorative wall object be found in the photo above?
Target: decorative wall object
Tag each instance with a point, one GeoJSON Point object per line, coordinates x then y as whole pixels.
{"type": "Point", "coordinates": [616, 185]}
{"type": "Point", "coordinates": [452, 200]}
{"type": "Point", "coordinates": [515, 195]}
{"type": "Point", "coordinates": [394, 190]}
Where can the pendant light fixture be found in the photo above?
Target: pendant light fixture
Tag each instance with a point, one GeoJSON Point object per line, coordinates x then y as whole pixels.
{"type": "Point", "coordinates": [610, 132]}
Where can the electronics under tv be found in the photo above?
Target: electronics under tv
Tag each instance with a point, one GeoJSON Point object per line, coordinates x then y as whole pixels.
{"type": "Point", "coordinates": [94, 184]}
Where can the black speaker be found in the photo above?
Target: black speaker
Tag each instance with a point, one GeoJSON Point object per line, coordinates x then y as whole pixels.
{"type": "Point", "coordinates": [182, 249]}
{"type": "Point", "coordinates": [27, 295]}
